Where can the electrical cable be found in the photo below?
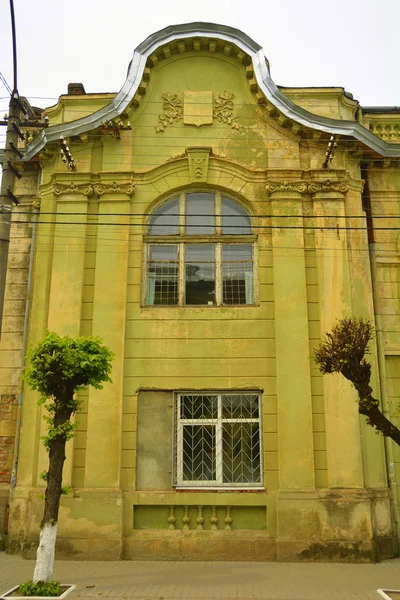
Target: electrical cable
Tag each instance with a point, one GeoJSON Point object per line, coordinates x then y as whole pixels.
{"type": "Point", "coordinates": [253, 216]}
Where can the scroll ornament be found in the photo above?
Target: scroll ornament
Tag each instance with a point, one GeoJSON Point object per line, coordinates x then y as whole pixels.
{"type": "Point", "coordinates": [114, 188]}
{"type": "Point", "coordinates": [303, 187]}
{"type": "Point", "coordinates": [286, 186]}
{"type": "Point", "coordinates": [73, 188]}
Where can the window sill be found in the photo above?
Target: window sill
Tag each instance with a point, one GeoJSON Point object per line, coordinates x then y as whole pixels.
{"type": "Point", "coordinates": [203, 488]}
{"type": "Point", "coordinates": [200, 306]}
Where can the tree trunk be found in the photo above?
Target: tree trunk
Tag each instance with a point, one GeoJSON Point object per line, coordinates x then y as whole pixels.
{"type": "Point", "coordinates": [378, 420]}
{"type": "Point", "coordinates": [46, 548]}
{"type": "Point", "coordinates": [47, 542]}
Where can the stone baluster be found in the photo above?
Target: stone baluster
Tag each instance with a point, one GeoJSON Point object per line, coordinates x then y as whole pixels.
{"type": "Point", "coordinates": [186, 519]}
{"type": "Point", "coordinates": [228, 518]}
{"type": "Point", "coordinates": [214, 518]}
{"type": "Point", "coordinates": [171, 518]}
{"type": "Point", "coordinates": [200, 518]}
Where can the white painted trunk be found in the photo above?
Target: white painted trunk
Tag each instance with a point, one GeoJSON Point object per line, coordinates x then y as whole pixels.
{"type": "Point", "coordinates": [45, 553]}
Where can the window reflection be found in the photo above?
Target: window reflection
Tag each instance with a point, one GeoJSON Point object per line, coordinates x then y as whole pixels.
{"type": "Point", "coordinates": [200, 274]}
{"type": "Point", "coordinates": [200, 211]}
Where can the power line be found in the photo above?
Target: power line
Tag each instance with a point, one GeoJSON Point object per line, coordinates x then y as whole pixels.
{"type": "Point", "coordinates": [304, 216]}
{"type": "Point", "coordinates": [3, 80]}
{"type": "Point", "coordinates": [263, 227]}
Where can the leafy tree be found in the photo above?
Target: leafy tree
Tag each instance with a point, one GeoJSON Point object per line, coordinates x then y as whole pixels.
{"type": "Point", "coordinates": [58, 368]}
{"type": "Point", "coordinates": [343, 351]}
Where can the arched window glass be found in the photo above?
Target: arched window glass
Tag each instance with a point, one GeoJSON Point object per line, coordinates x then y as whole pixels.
{"type": "Point", "coordinates": [200, 214]}
{"type": "Point", "coordinates": [235, 220]}
{"type": "Point", "coordinates": [200, 268]}
{"type": "Point", "coordinates": [165, 219]}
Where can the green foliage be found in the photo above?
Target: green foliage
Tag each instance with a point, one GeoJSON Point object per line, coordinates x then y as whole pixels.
{"type": "Point", "coordinates": [65, 430]}
{"type": "Point", "coordinates": [41, 588]}
{"type": "Point", "coordinates": [57, 365]}
{"type": "Point", "coordinates": [345, 346]}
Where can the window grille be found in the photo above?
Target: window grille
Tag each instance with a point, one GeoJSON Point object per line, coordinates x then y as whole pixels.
{"type": "Point", "coordinates": [217, 440]}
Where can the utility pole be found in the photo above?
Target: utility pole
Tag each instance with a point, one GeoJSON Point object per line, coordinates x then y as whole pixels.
{"type": "Point", "coordinates": [9, 172]}
{"type": "Point", "coordinates": [7, 198]}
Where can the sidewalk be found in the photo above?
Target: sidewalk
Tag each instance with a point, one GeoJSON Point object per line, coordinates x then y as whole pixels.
{"type": "Point", "coordinates": [212, 580]}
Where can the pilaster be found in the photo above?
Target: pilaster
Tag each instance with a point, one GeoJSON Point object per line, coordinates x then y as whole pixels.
{"type": "Point", "coordinates": [103, 449]}
{"type": "Point", "coordinates": [296, 456]}
{"type": "Point", "coordinates": [343, 442]}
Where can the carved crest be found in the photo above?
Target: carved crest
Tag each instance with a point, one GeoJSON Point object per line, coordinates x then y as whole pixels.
{"type": "Point", "coordinates": [197, 108]}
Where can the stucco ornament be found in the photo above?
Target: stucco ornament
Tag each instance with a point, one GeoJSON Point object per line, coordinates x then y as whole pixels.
{"type": "Point", "coordinates": [286, 186]}
{"type": "Point", "coordinates": [327, 186]}
{"type": "Point", "coordinates": [223, 110]}
{"type": "Point", "coordinates": [197, 108]}
{"type": "Point", "coordinates": [173, 111]}
{"type": "Point", "coordinates": [303, 187]}
{"type": "Point", "coordinates": [36, 203]}
{"type": "Point", "coordinates": [73, 188]}
{"type": "Point", "coordinates": [114, 188]}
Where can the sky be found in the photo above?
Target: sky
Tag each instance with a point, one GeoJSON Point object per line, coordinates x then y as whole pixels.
{"type": "Point", "coordinates": [353, 44]}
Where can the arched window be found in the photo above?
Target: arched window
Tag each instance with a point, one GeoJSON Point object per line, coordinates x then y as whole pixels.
{"type": "Point", "coordinates": [200, 252]}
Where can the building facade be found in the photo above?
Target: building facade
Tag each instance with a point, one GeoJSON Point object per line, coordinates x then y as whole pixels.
{"type": "Point", "coordinates": [210, 227]}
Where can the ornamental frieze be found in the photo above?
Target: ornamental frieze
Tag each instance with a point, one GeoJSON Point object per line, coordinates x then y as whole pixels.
{"type": "Point", "coordinates": [312, 187]}
{"type": "Point", "coordinates": [114, 188]}
{"type": "Point", "coordinates": [328, 186]}
{"type": "Point", "coordinates": [73, 188]}
{"type": "Point", "coordinates": [87, 189]}
{"type": "Point", "coordinates": [286, 186]}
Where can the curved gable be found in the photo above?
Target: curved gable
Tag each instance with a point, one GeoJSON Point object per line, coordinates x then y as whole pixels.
{"type": "Point", "coordinates": [173, 39]}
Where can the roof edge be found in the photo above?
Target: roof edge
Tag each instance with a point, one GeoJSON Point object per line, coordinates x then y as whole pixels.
{"type": "Point", "coordinates": [266, 84]}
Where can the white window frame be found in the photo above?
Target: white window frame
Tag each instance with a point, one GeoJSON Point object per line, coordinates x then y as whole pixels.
{"type": "Point", "coordinates": [178, 481]}
{"type": "Point", "coordinates": [182, 245]}
{"type": "Point", "coordinates": [182, 240]}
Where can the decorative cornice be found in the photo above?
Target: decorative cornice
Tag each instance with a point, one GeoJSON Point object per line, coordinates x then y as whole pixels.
{"type": "Point", "coordinates": [99, 188]}
{"type": "Point", "coordinates": [385, 130]}
{"type": "Point", "coordinates": [308, 187]}
{"type": "Point", "coordinates": [328, 185]}
{"type": "Point", "coordinates": [114, 188]}
{"type": "Point", "coordinates": [86, 189]}
{"type": "Point", "coordinates": [286, 186]}
{"type": "Point", "coordinates": [230, 37]}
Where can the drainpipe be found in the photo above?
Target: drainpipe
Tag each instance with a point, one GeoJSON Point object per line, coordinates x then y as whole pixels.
{"type": "Point", "coordinates": [24, 346]}
{"type": "Point", "coordinates": [380, 347]}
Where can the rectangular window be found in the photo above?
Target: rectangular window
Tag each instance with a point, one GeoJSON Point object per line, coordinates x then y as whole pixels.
{"type": "Point", "coordinates": [217, 440]}
{"type": "Point", "coordinates": [200, 274]}
{"type": "Point", "coordinates": [237, 274]}
{"type": "Point", "coordinates": [162, 281]}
